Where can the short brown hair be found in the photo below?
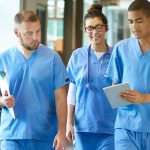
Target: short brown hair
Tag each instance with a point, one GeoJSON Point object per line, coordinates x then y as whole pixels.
{"type": "Point", "coordinates": [25, 16]}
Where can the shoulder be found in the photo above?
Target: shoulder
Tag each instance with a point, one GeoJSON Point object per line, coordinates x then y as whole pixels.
{"type": "Point", "coordinates": [46, 51]}
{"type": "Point", "coordinates": [80, 52]}
{"type": "Point", "coordinates": [124, 45]}
{"type": "Point", "coordinates": [110, 50]}
{"type": "Point", "coordinates": [126, 42]}
{"type": "Point", "coordinates": [8, 52]}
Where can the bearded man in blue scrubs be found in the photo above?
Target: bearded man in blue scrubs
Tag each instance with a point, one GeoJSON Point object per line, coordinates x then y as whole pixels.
{"type": "Point", "coordinates": [130, 63]}
{"type": "Point", "coordinates": [36, 77]}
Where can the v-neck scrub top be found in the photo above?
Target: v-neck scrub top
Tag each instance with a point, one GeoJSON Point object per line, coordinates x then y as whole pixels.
{"type": "Point", "coordinates": [32, 82]}
{"type": "Point", "coordinates": [93, 112]}
{"type": "Point", "coordinates": [129, 64]}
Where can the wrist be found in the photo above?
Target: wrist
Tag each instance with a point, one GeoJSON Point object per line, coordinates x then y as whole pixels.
{"type": "Point", "coordinates": [62, 131]}
{"type": "Point", "coordinates": [70, 122]}
{"type": "Point", "coordinates": [146, 98]}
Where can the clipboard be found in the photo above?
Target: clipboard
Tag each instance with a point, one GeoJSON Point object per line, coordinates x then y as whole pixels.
{"type": "Point", "coordinates": [112, 94]}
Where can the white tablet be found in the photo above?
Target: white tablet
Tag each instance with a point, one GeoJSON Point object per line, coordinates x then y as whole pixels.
{"type": "Point", "coordinates": [112, 94]}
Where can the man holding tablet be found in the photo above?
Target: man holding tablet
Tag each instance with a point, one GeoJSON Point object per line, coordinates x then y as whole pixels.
{"type": "Point", "coordinates": [130, 63]}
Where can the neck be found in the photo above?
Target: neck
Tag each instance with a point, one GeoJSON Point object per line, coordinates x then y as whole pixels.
{"type": "Point", "coordinates": [144, 44]}
{"type": "Point", "coordinates": [103, 47]}
{"type": "Point", "coordinates": [26, 53]}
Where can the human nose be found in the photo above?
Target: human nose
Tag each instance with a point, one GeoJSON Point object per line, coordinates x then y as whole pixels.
{"type": "Point", "coordinates": [94, 30]}
{"type": "Point", "coordinates": [34, 36]}
{"type": "Point", "coordinates": [134, 25]}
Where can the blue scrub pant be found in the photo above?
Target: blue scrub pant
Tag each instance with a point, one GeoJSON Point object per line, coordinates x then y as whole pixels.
{"type": "Point", "coordinates": [131, 140]}
{"type": "Point", "coordinates": [26, 145]}
{"type": "Point", "coordinates": [93, 141]}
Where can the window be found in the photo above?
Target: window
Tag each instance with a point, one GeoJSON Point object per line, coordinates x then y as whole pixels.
{"type": "Point", "coordinates": [55, 26]}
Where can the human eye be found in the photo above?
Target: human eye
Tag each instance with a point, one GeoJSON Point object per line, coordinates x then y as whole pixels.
{"type": "Point", "coordinates": [140, 20]}
{"type": "Point", "coordinates": [29, 33]}
{"type": "Point", "coordinates": [99, 27]}
{"type": "Point", "coordinates": [38, 31]}
{"type": "Point", "coordinates": [89, 28]}
{"type": "Point", "coordinates": [130, 21]}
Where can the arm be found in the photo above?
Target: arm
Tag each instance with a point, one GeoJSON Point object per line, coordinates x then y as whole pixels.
{"type": "Point", "coordinates": [61, 107]}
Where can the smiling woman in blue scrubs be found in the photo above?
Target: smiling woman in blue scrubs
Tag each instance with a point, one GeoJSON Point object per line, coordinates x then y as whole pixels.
{"type": "Point", "coordinates": [130, 63]}
{"type": "Point", "coordinates": [90, 123]}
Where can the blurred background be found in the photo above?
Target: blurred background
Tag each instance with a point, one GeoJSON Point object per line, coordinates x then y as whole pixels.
{"type": "Point", "coordinates": [62, 22]}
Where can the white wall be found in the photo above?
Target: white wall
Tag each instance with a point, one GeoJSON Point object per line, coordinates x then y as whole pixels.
{"type": "Point", "coordinates": [7, 11]}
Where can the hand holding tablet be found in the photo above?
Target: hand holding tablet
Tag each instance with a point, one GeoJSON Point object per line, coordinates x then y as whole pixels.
{"type": "Point", "coordinates": [113, 94]}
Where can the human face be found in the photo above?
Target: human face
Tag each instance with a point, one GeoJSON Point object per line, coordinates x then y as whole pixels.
{"type": "Point", "coordinates": [29, 34]}
{"type": "Point", "coordinates": [139, 24]}
{"type": "Point", "coordinates": [98, 29]}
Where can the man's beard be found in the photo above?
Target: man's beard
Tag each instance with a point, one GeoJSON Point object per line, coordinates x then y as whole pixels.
{"type": "Point", "coordinates": [27, 46]}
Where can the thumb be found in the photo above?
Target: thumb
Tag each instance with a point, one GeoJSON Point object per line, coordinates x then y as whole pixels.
{"type": "Point", "coordinates": [4, 93]}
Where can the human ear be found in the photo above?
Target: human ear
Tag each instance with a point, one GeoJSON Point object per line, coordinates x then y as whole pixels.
{"type": "Point", "coordinates": [107, 28]}
{"type": "Point", "coordinates": [16, 32]}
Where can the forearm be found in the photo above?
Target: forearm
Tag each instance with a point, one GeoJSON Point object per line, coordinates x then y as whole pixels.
{"type": "Point", "coordinates": [70, 115]}
{"type": "Point", "coordinates": [61, 107]}
{"type": "Point", "coordinates": [71, 97]}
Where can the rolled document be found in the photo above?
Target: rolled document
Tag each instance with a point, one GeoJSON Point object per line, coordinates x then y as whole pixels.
{"type": "Point", "coordinates": [4, 87]}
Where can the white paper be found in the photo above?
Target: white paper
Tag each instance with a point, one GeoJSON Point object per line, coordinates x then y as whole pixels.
{"type": "Point", "coordinates": [4, 87]}
{"type": "Point", "coordinates": [113, 94]}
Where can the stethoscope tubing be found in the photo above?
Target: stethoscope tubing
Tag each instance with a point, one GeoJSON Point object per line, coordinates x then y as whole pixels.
{"type": "Point", "coordinates": [101, 60]}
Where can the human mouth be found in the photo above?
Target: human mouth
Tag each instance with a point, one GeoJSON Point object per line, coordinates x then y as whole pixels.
{"type": "Point", "coordinates": [95, 38]}
{"type": "Point", "coordinates": [136, 32]}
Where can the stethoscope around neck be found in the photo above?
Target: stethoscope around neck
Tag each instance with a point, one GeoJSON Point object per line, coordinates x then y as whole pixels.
{"type": "Point", "coordinates": [103, 57]}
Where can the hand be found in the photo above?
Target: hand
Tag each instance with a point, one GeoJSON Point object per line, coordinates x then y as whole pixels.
{"type": "Point", "coordinates": [133, 96]}
{"type": "Point", "coordinates": [7, 101]}
{"type": "Point", "coordinates": [59, 141]}
{"type": "Point", "coordinates": [70, 133]}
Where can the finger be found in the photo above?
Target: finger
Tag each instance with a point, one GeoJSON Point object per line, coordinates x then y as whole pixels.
{"type": "Point", "coordinates": [128, 97]}
{"type": "Point", "coordinates": [72, 136]}
{"type": "Point", "coordinates": [5, 93]}
{"type": "Point", "coordinates": [127, 93]}
{"type": "Point", "coordinates": [54, 143]}
{"type": "Point", "coordinates": [58, 147]}
{"type": "Point", "coordinates": [69, 137]}
{"type": "Point", "coordinates": [62, 148]}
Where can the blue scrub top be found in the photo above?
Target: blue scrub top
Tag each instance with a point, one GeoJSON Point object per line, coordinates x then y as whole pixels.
{"type": "Point", "coordinates": [129, 64]}
{"type": "Point", "coordinates": [32, 82]}
{"type": "Point", "coordinates": [93, 112]}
